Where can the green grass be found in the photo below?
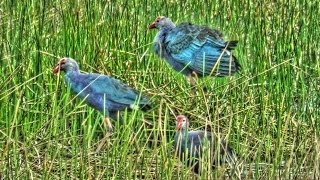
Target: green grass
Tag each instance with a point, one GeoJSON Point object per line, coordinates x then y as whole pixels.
{"type": "Point", "coordinates": [269, 112]}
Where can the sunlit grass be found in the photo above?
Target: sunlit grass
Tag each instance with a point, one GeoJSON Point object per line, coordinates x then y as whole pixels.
{"type": "Point", "coordinates": [268, 112]}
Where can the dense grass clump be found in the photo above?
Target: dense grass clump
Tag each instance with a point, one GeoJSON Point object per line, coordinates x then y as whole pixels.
{"type": "Point", "coordinates": [269, 112]}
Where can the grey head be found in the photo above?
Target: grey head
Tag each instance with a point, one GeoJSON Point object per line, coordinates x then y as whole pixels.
{"type": "Point", "coordinates": [162, 22]}
{"type": "Point", "coordinates": [182, 122]}
{"type": "Point", "coordinates": [66, 64]}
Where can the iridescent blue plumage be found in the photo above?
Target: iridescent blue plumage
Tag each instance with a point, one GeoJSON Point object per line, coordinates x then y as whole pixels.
{"type": "Point", "coordinates": [190, 145]}
{"type": "Point", "coordinates": [103, 93]}
{"type": "Point", "coordinates": [190, 48]}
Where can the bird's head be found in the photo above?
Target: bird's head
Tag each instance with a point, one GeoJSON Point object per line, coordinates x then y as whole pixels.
{"type": "Point", "coordinates": [161, 22]}
{"type": "Point", "coordinates": [66, 64]}
{"type": "Point", "coordinates": [181, 122]}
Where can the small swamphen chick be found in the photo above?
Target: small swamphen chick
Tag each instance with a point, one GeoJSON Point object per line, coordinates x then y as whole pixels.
{"type": "Point", "coordinates": [191, 145]}
{"type": "Point", "coordinates": [104, 93]}
{"type": "Point", "coordinates": [192, 49]}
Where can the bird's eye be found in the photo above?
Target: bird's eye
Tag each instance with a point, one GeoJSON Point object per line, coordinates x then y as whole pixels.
{"type": "Point", "coordinates": [157, 21]}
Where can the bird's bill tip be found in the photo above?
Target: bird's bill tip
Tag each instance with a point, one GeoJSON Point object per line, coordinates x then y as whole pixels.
{"type": "Point", "coordinates": [179, 125]}
{"type": "Point", "coordinates": [56, 69]}
{"type": "Point", "coordinates": [152, 25]}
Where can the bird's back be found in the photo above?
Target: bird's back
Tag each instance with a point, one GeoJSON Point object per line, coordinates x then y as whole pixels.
{"type": "Point", "coordinates": [101, 91]}
{"type": "Point", "coordinates": [200, 144]}
{"type": "Point", "coordinates": [199, 49]}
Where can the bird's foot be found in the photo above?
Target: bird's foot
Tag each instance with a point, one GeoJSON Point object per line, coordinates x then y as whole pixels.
{"type": "Point", "coordinates": [110, 129]}
{"type": "Point", "coordinates": [103, 141]}
{"type": "Point", "coordinates": [205, 89]}
{"type": "Point", "coordinates": [193, 90]}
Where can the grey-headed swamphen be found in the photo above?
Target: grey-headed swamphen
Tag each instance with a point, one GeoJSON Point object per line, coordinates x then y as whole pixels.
{"type": "Point", "coordinates": [190, 145]}
{"type": "Point", "coordinates": [104, 93]}
{"type": "Point", "coordinates": [192, 49]}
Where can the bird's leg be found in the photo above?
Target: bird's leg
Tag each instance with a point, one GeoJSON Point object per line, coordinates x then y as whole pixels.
{"type": "Point", "coordinates": [107, 124]}
{"type": "Point", "coordinates": [136, 144]}
{"type": "Point", "coordinates": [192, 82]}
{"type": "Point", "coordinates": [121, 120]}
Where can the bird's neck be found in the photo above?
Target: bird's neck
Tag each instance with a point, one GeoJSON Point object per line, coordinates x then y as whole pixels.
{"type": "Point", "coordinates": [181, 139]}
{"type": "Point", "coordinates": [169, 27]}
{"type": "Point", "coordinates": [70, 74]}
{"type": "Point", "coordinates": [183, 132]}
{"type": "Point", "coordinates": [161, 34]}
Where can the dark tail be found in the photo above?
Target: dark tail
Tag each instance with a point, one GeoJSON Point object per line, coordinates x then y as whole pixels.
{"type": "Point", "coordinates": [230, 156]}
{"type": "Point", "coordinates": [238, 66]}
{"type": "Point", "coordinates": [145, 107]}
{"type": "Point", "coordinates": [230, 45]}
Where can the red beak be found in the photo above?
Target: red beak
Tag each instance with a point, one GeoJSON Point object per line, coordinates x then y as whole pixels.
{"type": "Point", "coordinates": [152, 25]}
{"type": "Point", "coordinates": [178, 125]}
{"type": "Point", "coordinates": [56, 69]}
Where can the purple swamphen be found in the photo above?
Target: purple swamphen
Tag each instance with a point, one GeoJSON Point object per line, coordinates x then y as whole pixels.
{"type": "Point", "coordinates": [194, 50]}
{"type": "Point", "coordinates": [191, 145]}
{"type": "Point", "coordinates": [104, 93]}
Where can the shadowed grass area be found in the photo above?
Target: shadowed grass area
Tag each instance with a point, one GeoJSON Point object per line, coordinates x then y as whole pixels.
{"type": "Point", "coordinates": [268, 112]}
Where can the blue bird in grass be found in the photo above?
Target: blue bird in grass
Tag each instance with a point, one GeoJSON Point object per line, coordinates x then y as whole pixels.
{"type": "Point", "coordinates": [104, 93]}
{"type": "Point", "coordinates": [194, 50]}
{"type": "Point", "coordinates": [190, 145]}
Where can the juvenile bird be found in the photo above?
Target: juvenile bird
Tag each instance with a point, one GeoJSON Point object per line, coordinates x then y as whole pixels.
{"type": "Point", "coordinates": [191, 145]}
{"type": "Point", "coordinates": [104, 93]}
{"type": "Point", "coordinates": [194, 50]}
